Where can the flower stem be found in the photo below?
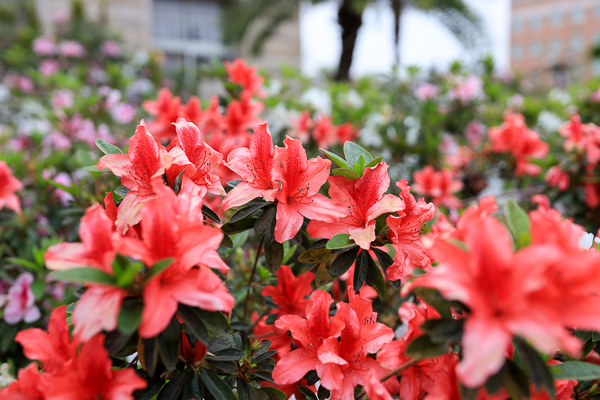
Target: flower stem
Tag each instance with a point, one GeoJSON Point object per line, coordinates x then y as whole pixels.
{"type": "Point", "coordinates": [249, 293]}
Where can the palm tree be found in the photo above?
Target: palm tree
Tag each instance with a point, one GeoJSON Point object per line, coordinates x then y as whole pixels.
{"type": "Point", "coordinates": [265, 16]}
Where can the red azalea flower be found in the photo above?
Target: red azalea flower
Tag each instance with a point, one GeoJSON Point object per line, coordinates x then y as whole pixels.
{"type": "Point", "coordinates": [147, 158]}
{"type": "Point", "coordinates": [362, 201]}
{"type": "Point", "coordinates": [291, 292]}
{"type": "Point", "coordinates": [536, 293]}
{"type": "Point", "coordinates": [201, 162]}
{"type": "Point", "coordinates": [556, 177]}
{"type": "Point", "coordinates": [8, 186]}
{"type": "Point", "coordinates": [524, 143]}
{"type": "Point", "coordinates": [245, 76]}
{"type": "Point", "coordinates": [192, 356]}
{"type": "Point", "coordinates": [582, 137]}
{"type": "Point", "coordinates": [404, 234]}
{"type": "Point", "coordinates": [439, 185]}
{"type": "Point", "coordinates": [166, 109]}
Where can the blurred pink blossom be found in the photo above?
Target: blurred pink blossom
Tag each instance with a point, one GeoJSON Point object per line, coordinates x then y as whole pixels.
{"type": "Point", "coordinates": [475, 132]}
{"type": "Point", "coordinates": [123, 113]}
{"type": "Point", "coordinates": [111, 48]}
{"type": "Point", "coordinates": [57, 140]}
{"type": "Point", "coordinates": [49, 67]}
{"type": "Point", "coordinates": [23, 83]}
{"type": "Point", "coordinates": [62, 99]}
{"type": "Point", "coordinates": [595, 96]}
{"type": "Point", "coordinates": [43, 46]}
{"type": "Point", "coordinates": [71, 48]}
{"type": "Point", "coordinates": [467, 89]}
{"type": "Point", "coordinates": [62, 178]}
{"type": "Point", "coordinates": [426, 91]}
{"type": "Point", "coordinates": [20, 300]}
{"type": "Point", "coordinates": [60, 18]}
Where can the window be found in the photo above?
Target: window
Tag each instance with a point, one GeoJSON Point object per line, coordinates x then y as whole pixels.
{"type": "Point", "coordinates": [555, 46]}
{"type": "Point", "coordinates": [577, 15]}
{"type": "Point", "coordinates": [536, 49]}
{"type": "Point", "coordinates": [516, 52]}
{"type": "Point", "coordinates": [536, 23]}
{"type": "Point", "coordinates": [517, 26]}
{"type": "Point", "coordinates": [577, 42]}
{"type": "Point", "coordinates": [556, 18]}
{"type": "Point", "coordinates": [187, 20]}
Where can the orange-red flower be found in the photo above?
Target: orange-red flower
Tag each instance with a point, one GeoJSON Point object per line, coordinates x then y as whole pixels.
{"type": "Point", "coordinates": [242, 74]}
{"type": "Point", "coordinates": [361, 201]}
{"type": "Point", "coordinates": [166, 110]}
{"type": "Point", "coordinates": [439, 185]}
{"type": "Point", "coordinates": [8, 186]}
{"type": "Point", "coordinates": [404, 234]}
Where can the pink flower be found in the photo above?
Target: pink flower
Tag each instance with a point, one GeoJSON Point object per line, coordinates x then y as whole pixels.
{"type": "Point", "coordinates": [123, 113]}
{"type": "Point", "coordinates": [25, 84]}
{"type": "Point", "coordinates": [439, 185]}
{"type": "Point", "coordinates": [558, 178]}
{"type": "Point", "coordinates": [111, 48]}
{"type": "Point", "coordinates": [21, 301]}
{"type": "Point", "coordinates": [49, 67]}
{"type": "Point", "coordinates": [62, 178]}
{"type": "Point", "coordinates": [71, 48]}
{"type": "Point", "coordinates": [58, 141]}
{"type": "Point", "coordinates": [426, 91]}
{"type": "Point", "coordinates": [62, 99]}
{"type": "Point", "coordinates": [44, 46]}
{"type": "Point", "coordinates": [8, 186]}
{"type": "Point", "coordinates": [467, 89]}
{"type": "Point", "coordinates": [475, 132]}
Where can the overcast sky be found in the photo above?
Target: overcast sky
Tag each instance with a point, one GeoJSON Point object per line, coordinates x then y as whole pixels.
{"type": "Point", "coordinates": [424, 41]}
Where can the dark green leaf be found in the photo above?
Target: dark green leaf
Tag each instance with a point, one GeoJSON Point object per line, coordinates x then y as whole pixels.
{"type": "Point", "coordinates": [433, 298]}
{"type": "Point", "coordinates": [149, 392]}
{"type": "Point", "coordinates": [210, 214]}
{"type": "Point", "coordinates": [375, 277]}
{"type": "Point", "coordinates": [247, 211]}
{"type": "Point", "coordinates": [94, 168]}
{"type": "Point", "coordinates": [536, 367]}
{"type": "Point", "coordinates": [243, 389]}
{"type": "Point", "coordinates": [219, 343]}
{"type": "Point", "coordinates": [495, 382]}
{"type": "Point", "coordinates": [158, 267]}
{"type": "Point", "coordinates": [263, 223]}
{"type": "Point", "coordinates": [360, 270]}
{"type": "Point", "coordinates": [306, 391]}
{"type": "Point", "coordinates": [385, 260]}
{"type": "Point", "coordinates": [576, 370]}
{"type": "Point", "coordinates": [263, 356]}
{"type": "Point", "coordinates": [239, 325]}
{"type": "Point", "coordinates": [169, 343]}
{"type": "Point", "coordinates": [265, 344]}
{"type": "Point", "coordinates": [274, 393]}
{"type": "Point", "coordinates": [215, 320]}
{"type": "Point", "coordinates": [115, 341]}
{"type": "Point", "coordinates": [122, 191]}
{"type": "Point", "coordinates": [340, 241]}
{"type": "Point", "coordinates": [7, 336]}
{"type": "Point", "coordinates": [374, 162]}
{"type": "Point", "coordinates": [271, 319]}
{"type": "Point", "coordinates": [518, 223]}
{"type": "Point", "coordinates": [346, 173]}
{"type": "Point", "coordinates": [337, 159]}
{"type": "Point", "coordinates": [343, 262]}
{"type": "Point", "coordinates": [233, 184]}
{"type": "Point", "coordinates": [85, 275]}
{"type": "Point", "coordinates": [225, 366]}
{"type": "Point", "coordinates": [440, 330]}
{"type": "Point", "coordinates": [193, 323]}
{"type": "Point", "coordinates": [322, 276]}
{"type": "Point", "coordinates": [246, 347]}
{"type": "Point", "coordinates": [311, 377]}
{"type": "Point", "coordinates": [467, 393]}
{"type": "Point", "coordinates": [423, 347]}
{"type": "Point", "coordinates": [228, 355]}
{"type": "Point", "coordinates": [265, 376]}
{"type": "Point", "coordinates": [193, 388]}
{"type": "Point", "coordinates": [226, 242]}
{"type": "Point", "coordinates": [150, 355]}
{"type": "Point", "coordinates": [352, 152]}
{"type": "Point", "coordinates": [21, 261]}
{"type": "Point", "coordinates": [595, 337]}
{"type": "Point", "coordinates": [219, 389]}
{"type": "Point", "coordinates": [319, 244]}
{"type": "Point", "coordinates": [175, 386]}
{"type": "Point", "coordinates": [240, 226]}
{"type": "Point", "coordinates": [107, 148]}
{"type": "Point", "coordinates": [273, 255]}
{"type": "Point", "coordinates": [516, 382]}
{"type": "Point", "coordinates": [360, 165]}
{"type": "Point", "coordinates": [314, 255]}
{"type": "Point", "coordinates": [323, 393]}
{"type": "Point", "coordinates": [237, 340]}
{"type": "Point", "coordinates": [256, 394]}
{"type": "Point", "coordinates": [130, 315]}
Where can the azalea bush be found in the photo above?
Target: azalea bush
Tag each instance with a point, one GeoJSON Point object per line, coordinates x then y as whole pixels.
{"type": "Point", "coordinates": [425, 237]}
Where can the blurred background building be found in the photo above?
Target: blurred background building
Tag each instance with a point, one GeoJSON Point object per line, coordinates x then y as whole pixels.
{"type": "Point", "coordinates": [188, 32]}
{"type": "Point", "coordinates": [553, 41]}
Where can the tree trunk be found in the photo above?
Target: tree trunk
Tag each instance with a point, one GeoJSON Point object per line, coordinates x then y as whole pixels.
{"type": "Point", "coordinates": [350, 21]}
{"type": "Point", "coordinates": [397, 8]}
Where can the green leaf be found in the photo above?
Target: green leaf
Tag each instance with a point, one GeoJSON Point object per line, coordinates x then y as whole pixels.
{"type": "Point", "coordinates": [385, 260]}
{"type": "Point", "coordinates": [337, 159]}
{"type": "Point", "coordinates": [121, 191]}
{"type": "Point", "coordinates": [322, 276]}
{"type": "Point", "coordinates": [340, 241]}
{"type": "Point", "coordinates": [274, 393]}
{"type": "Point", "coordinates": [243, 389]}
{"type": "Point", "coordinates": [85, 275]}
{"type": "Point", "coordinates": [93, 168]}
{"type": "Point", "coordinates": [273, 255]}
{"type": "Point", "coordinates": [343, 262]}
{"type": "Point", "coordinates": [37, 288]}
{"type": "Point", "coordinates": [228, 355]}
{"type": "Point", "coordinates": [210, 214]}
{"type": "Point", "coordinates": [352, 152]}
{"type": "Point", "coordinates": [348, 173]}
{"type": "Point", "coordinates": [247, 211]}
{"type": "Point", "coordinates": [107, 148]}
{"type": "Point", "coordinates": [375, 277]}
{"type": "Point", "coordinates": [360, 270]}
{"type": "Point", "coordinates": [518, 223]}
{"type": "Point", "coordinates": [193, 323]}
{"type": "Point", "coordinates": [440, 330]}
{"type": "Point", "coordinates": [263, 356]}
{"type": "Point", "coordinates": [265, 221]}
{"type": "Point", "coordinates": [423, 347]}
{"type": "Point", "coordinates": [516, 382]}
{"type": "Point", "coordinates": [433, 298]}
{"type": "Point", "coordinates": [150, 354]}
{"type": "Point", "coordinates": [595, 337]}
{"type": "Point", "coordinates": [360, 165]}
{"type": "Point", "coordinates": [536, 367]}
{"type": "Point", "coordinates": [169, 342]}
{"type": "Point", "coordinates": [240, 325]}
{"type": "Point", "coordinates": [130, 316]}
{"type": "Point", "coordinates": [157, 268]}
{"type": "Point", "coordinates": [306, 391]}
{"type": "Point", "coordinates": [126, 277]}
{"type": "Point", "coordinates": [374, 162]}
{"type": "Point", "coordinates": [175, 386]}
{"type": "Point", "coordinates": [576, 370]}
{"type": "Point", "coordinates": [216, 386]}
{"type": "Point", "coordinates": [315, 255]}
{"type": "Point", "coordinates": [215, 320]}
{"type": "Point", "coordinates": [240, 226]}
{"type": "Point", "coordinates": [226, 242]}
{"type": "Point", "coordinates": [25, 263]}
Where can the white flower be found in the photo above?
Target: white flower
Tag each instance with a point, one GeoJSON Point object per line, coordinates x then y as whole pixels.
{"type": "Point", "coordinates": [5, 377]}
{"type": "Point", "coordinates": [317, 98]}
{"type": "Point", "coordinates": [586, 240]}
{"type": "Point", "coordinates": [560, 95]}
{"type": "Point", "coordinates": [549, 121]}
{"type": "Point", "coordinates": [352, 99]}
